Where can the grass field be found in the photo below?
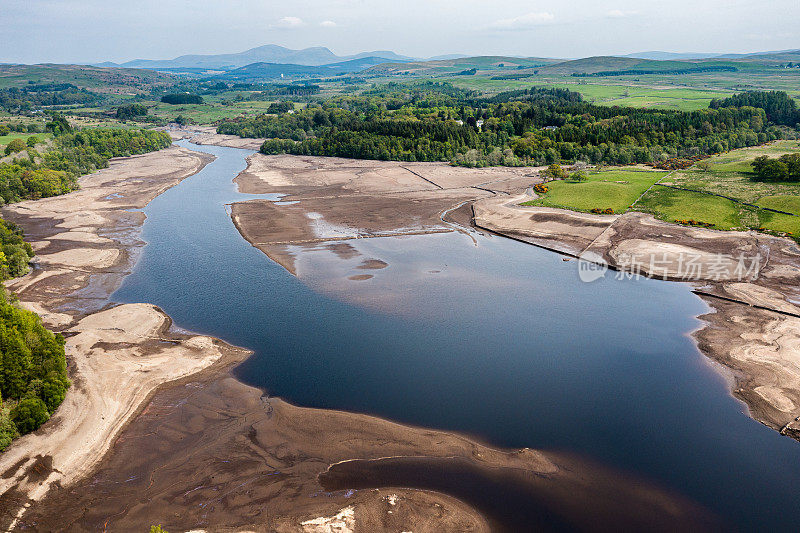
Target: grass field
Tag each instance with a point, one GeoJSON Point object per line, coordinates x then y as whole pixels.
{"type": "Point", "coordinates": [730, 174]}
{"type": "Point", "coordinates": [610, 94]}
{"type": "Point", "coordinates": [790, 204]}
{"type": "Point", "coordinates": [780, 223]}
{"type": "Point", "coordinates": [609, 189]}
{"type": "Point", "coordinates": [671, 205]}
{"type": "Point", "coordinates": [5, 139]}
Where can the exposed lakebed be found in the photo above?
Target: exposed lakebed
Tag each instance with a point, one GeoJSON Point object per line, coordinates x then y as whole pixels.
{"type": "Point", "coordinates": [471, 333]}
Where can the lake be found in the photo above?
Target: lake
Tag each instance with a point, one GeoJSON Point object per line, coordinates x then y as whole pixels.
{"type": "Point", "coordinates": [473, 333]}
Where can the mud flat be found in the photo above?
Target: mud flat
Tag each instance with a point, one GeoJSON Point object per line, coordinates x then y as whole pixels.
{"type": "Point", "coordinates": [154, 429]}
{"type": "Point", "coordinates": [754, 329]}
{"type": "Point", "coordinates": [330, 199]}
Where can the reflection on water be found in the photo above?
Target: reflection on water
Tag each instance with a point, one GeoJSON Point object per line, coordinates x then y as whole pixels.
{"type": "Point", "coordinates": [481, 335]}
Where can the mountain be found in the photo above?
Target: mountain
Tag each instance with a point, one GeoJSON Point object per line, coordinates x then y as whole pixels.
{"type": "Point", "coordinates": [264, 71]}
{"type": "Point", "coordinates": [270, 53]}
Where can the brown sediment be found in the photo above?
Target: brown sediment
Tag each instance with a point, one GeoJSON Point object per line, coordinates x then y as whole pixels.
{"type": "Point", "coordinates": [338, 199]}
{"type": "Point", "coordinates": [219, 455]}
{"type": "Point", "coordinates": [206, 451]}
{"type": "Point", "coordinates": [209, 135]}
{"type": "Point", "coordinates": [752, 330]}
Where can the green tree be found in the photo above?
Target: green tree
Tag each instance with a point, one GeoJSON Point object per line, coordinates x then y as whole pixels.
{"type": "Point", "coordinates": [16, 145]}
{"type": "Point", "coordinates": [578, 176]}
{"type": "Point", "coordinates": [555, 172]}
{"type": "Point", "coordinates": [29, 414]}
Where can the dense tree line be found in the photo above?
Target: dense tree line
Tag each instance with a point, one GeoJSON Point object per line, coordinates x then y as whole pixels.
{"type": "Point", "coordinates": [784, 168]}
{"type": "Point", "coordinates": [72, 154]}
{"type": "Point", "coordinates": [779, 106]}
{"type": "Point", "coordinates": [437, 122]}
{"type": "Point", "coordinates": [280, 107]}
{"type": "Point", "coordinates": [24, 99]}
{"type": "Point", "coordinates": [182, 98]}
{"type": "Point", "coordinates": [33, 367]}
{"type": "Point", "coordinates": [127, 112]}
{"type": "Point", "coordinates": [645, 72]}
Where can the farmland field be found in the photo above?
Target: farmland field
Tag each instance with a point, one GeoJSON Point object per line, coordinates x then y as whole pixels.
{"type": "Point", "coordinates": [673, 205]}
{"type": "Point", "coordinates": [610, 189]}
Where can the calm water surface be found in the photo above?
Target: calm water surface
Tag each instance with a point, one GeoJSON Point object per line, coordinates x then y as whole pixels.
{"type": "Point", "coordinates": [493, 338]}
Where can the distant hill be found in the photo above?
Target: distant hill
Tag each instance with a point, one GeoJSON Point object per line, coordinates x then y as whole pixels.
{"type": "Point", "coordinates": [446, 66]}
{"type": "Point", "coordinates": [773, 55]}
{"type": "Point", "coordinates": [270, 53]}
{"type": "Point", "coordinates": [592, 65]}
{"type": "Point", "coordinates": [104, 80]}
{"type": "Point", "coordinates": [355, 65]}
{"type": "Point", "coordinates": [267, 71]}
{"type": "Point", "coordinates": [447, 56]}
{"type": "Point", "coordinates": [668, 56]}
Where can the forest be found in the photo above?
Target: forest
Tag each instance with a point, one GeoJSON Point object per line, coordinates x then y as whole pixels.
{"type": "Point", "coordinates": [434, 121]}
{"type": "Point", "coordinates": [176, 99]}
{"type": "Point", "coordinates": [783, 168]}
{"type": "Point", "coordinates": [779, 106]}
{"type": "Point", "coordinates": [33, 367]}
{"type": "Point", "coordinates": [16, 100]}
{"type": "Point", "coordinates": [72, 154]}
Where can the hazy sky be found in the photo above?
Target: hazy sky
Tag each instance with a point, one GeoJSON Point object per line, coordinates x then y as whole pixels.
{"type": "Point", "coordinates": [98, 30]}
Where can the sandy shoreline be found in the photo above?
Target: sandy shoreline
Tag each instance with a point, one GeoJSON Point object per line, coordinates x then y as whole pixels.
{"type": "Point", "coordinates": [208, 435]}
{"type": "Point", "coordinates": [116, 356]}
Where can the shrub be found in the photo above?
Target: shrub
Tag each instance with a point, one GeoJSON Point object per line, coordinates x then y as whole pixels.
{"type": "Point", "coordinates": [577, 176]}
{"type": "Point", "coordinates": [29, 414]}
{"type": "Point", "coordinates": [8, 431]}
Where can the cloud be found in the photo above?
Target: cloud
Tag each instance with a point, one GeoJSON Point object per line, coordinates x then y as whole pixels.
{"type": "Point", "coordinates": [290, 22]}
{"type": "Point", "coordinates": [327, 24]}
{"type": "Point", "coordinates": [619, 14]}
{"type": "Point", "coordinates": [522, 22]}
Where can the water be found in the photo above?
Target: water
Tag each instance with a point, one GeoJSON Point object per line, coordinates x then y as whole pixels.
{"type": "Point", "coordinates": [493, 338]}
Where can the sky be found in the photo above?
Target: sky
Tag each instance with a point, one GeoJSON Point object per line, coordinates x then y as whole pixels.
{"type": "Point", "coordinates": [84, 31]}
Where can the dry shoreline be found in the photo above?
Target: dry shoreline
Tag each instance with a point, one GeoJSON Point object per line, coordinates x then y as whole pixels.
{"type": "Point", "coordinates": [228, 431]}
{"type": "Point", "coordinates": [753, 328]}
{"type": "Point", "coordinates": [117, 356]}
